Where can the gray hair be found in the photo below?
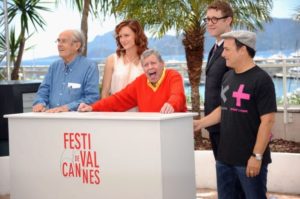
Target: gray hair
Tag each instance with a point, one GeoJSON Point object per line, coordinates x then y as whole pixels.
{"type": "Point", "coordinates": [150, 52]}
{"type": "Point", "coordinates": [79, 37]}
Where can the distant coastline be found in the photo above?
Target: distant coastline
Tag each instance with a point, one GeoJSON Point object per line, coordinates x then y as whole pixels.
{"type": "Point", "coordinates": [271, 42]}
{"type": "Point", "coordinates": [167, 58]}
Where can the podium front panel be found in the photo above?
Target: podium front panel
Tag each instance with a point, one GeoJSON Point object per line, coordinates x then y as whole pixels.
{"type": "Point", "coordinates": [101, 155]}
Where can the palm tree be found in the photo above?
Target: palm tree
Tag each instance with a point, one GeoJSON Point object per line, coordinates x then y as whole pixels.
{"type": "Point", "coordinates": [186, 17]}
{"type": "Point", "coordinates": [14, 44]}
{"type": "Point", "coordinates": [85, 7]}
{"type": "Point", "coordinates": [27, 11]}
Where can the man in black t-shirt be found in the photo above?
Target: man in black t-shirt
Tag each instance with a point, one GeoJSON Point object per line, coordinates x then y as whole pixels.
{"type": "Point", "coordinates": [247, 112]}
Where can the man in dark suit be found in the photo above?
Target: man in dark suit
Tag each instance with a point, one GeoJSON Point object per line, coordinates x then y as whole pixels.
{"type": "Point", "coordinates": [219, 17]}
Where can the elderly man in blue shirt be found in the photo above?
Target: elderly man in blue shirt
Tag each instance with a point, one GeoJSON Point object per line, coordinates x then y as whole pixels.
{"type": "Point", "coordinates": [72, 80]}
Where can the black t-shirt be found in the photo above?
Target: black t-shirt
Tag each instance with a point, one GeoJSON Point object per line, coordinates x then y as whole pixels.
{"type": "Point", "coordinates": [245, 97]}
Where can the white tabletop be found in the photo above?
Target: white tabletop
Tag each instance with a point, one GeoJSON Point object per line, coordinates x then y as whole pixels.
{"type": "Point", "coordinates": [102, 115]}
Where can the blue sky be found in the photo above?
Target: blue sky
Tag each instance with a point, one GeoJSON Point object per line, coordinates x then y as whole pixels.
{"type": "Point", "coordinates": [65, 18]}
{"type": "Point", "coordinates": [284, 8]}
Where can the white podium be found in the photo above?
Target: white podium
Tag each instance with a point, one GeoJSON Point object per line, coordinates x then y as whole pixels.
{"type": "Point", "coordinates": [102, 155]}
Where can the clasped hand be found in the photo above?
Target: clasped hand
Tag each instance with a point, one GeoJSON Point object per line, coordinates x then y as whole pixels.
{"type": "Point", "coordinates": [84, 108]}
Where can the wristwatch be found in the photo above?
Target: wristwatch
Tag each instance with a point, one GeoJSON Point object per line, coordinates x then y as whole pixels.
{"type": "Point", "coordinates": [257, 156]}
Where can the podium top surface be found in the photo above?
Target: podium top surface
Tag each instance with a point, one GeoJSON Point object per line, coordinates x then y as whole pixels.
{"type": "Point", "coordinates": [101, 115]}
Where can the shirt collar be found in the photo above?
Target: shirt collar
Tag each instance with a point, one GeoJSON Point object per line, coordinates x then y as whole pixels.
{"type": "Point", "coordinates": [72, 63]}
{"type": "Point", "coordinates": [219, 43]}
{"type": "Point", "coordinates": [158, 83]}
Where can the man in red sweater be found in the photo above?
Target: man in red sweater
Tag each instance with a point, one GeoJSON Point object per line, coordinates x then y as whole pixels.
{"type": "Point", "coordinates": [157, 90]}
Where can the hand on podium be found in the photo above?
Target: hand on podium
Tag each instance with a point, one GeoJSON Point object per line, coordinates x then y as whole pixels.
{"type": "Point", "coordinates": [84, 108]}
{"type": "Point", "coordinates": [167, 108]}
{"type": "Point", "coordinates": [58, 109]}
{"type": "Point", "coordinates": [39, 108]}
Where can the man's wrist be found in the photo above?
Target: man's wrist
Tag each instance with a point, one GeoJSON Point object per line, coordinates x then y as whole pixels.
{"type": "Point", "coordinates": [257, 156]}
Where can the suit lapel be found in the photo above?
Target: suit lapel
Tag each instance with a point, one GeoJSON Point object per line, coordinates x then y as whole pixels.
{"type": "Point", "coordinates": [214, 57]}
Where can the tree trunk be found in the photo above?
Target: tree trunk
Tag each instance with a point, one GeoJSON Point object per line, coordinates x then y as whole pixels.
{"type": "Point", "coordinates": [15, 71]}
{"type": "Point", "coordinates": [84, 23]}
{"type": "Point", "coordinates": [193, 42]}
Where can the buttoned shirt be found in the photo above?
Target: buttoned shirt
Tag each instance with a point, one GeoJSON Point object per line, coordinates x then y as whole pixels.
{"type": "Point", "coordinates": [69, 84]}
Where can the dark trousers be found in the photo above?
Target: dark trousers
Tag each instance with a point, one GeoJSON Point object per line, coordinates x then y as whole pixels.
{"type": "Point", "coordinates": [214, 139]}
{"type": "Point", "coordinates": [228, 176]}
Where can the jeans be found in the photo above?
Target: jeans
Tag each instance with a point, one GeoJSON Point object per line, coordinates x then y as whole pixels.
{"type": "Point", "coordinates": [253, 187]}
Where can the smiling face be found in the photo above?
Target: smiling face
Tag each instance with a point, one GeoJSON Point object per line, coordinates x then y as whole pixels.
{"type": "Point", "coordinates": [231, 53]}
{"type": "Point", "coordinates": [67, 47]}
{"type": "Point", "coordinates": [153, 68]}
{"type": "Point", "coordinates": [127, 38]}
{"type": "Point", "coordinates": [221, 26]}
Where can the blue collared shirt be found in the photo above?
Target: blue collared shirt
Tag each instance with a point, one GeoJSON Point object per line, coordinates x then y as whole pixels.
{"type": "Point", "coordinates": [69, 84]}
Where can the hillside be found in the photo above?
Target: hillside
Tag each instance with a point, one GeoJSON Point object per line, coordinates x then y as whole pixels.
{"type": "Point", "coordinates": [274, 38]}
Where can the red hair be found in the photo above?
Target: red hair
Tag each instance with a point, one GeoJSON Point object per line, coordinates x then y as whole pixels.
{"type": "Point", "coordinates": [141, 40]}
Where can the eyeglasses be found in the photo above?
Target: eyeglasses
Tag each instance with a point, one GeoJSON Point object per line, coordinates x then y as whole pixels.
{"type": "Point", "coordinates": [213, 20]}
{"type": "Point", "coordinates": [64, 41]}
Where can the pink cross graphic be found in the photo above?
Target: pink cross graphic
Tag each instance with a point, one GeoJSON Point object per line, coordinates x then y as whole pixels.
{"type": "Point", "coordinates": [239, 95]}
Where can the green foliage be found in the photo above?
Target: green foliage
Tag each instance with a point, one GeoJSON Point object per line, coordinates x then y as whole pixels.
{"type": "Point", "coordinates": [292, 98]}
{"type": "Point", "coordinates": [96, 7]}
{"type": "Point", "coordinates": [26, 12]}
{"type": "Point", "coordinates": [186, 18]}
{"type": "Point", "coordinates": [13, 44]}
{"type": "Point", "coordinates": [2, 77]}
{"type": "Point", "coordinates": [251, 14]}
{"type": "Point", "coordinates": [185, 15]}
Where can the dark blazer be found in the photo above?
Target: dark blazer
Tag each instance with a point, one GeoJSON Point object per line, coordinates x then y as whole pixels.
{"type": "Point", "coordinates": [215, 69]}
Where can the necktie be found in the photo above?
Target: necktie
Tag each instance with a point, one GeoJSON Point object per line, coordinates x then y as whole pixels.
{"type": "Point", "coordinates": [215, 48]}
{"type": "Point", "coordinates": [213, 52]}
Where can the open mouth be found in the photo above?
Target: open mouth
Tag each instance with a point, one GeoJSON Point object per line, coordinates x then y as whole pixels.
{"type": "Point", "coordinates": [152, 75]}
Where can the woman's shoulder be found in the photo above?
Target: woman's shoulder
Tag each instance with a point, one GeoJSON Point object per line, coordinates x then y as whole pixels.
{"type": "Point", "coordinates": [111, 59]}
{"type": "Point", "coordinates": [112, 56]}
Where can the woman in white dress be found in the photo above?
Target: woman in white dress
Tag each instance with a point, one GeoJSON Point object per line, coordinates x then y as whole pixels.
{"type": "Point", "coordinates": [124, 66]}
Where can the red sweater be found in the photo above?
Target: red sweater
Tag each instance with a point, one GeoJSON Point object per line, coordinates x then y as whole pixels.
{"type": "Point", "coordinates": [139, 94]}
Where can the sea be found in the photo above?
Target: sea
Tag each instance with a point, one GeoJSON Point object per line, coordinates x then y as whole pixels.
{"type": "Point", "coordinates": [167, 58]}
{"type": "Point", "coordinates": [293, 84]}
{"type": "Point", "coordinates": [259, 54]}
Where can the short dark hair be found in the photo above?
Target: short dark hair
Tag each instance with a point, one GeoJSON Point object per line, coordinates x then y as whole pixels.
{"type": "Point", "coordinates": [250, 51]}
{"type": "Point", "coordinates": [223, 6]}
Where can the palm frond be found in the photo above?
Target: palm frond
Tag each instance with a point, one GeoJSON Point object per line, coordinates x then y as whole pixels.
{"type": "Point", "coordinates": [160, 16]}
